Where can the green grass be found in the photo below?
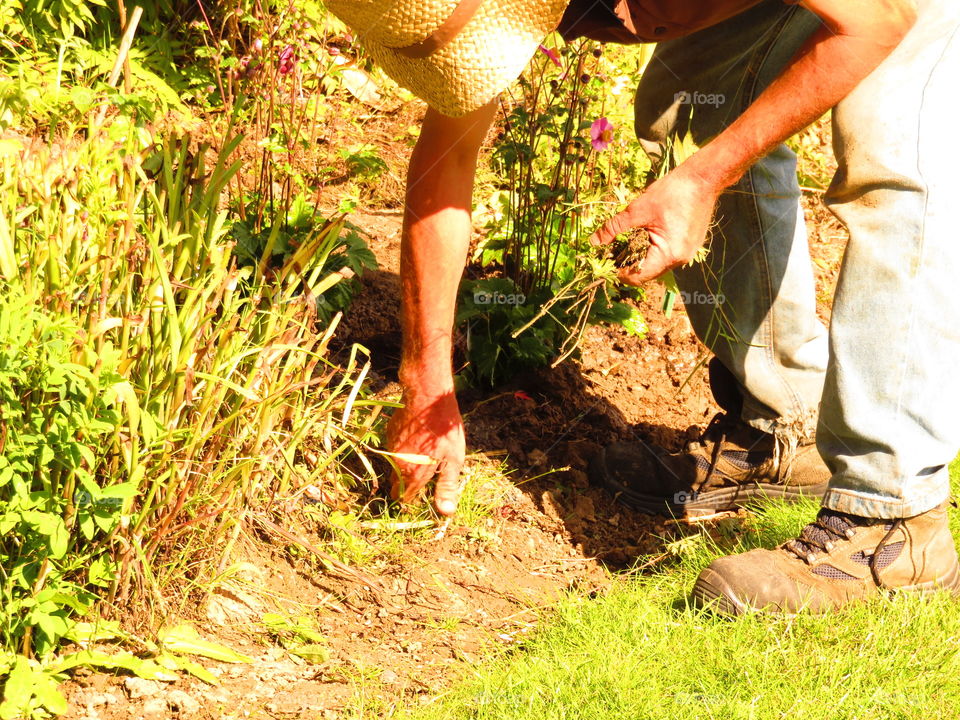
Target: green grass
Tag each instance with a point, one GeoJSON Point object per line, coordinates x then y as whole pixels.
{"type": "Point", "coordinates": [642, 652]}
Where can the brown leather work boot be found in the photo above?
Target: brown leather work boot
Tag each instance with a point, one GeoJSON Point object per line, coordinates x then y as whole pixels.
{"type": "Point", "coordinates": [838, 559]}
{"type": "Point", "coordinates": [730, 465]}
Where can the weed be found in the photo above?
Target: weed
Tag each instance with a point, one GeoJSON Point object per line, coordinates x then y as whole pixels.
{"type": "Point", "coordinates": [557, 184]}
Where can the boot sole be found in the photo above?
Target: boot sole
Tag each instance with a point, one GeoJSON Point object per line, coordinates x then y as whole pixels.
{"type": "Point", "coordinates": [712, 592]}
{"type": "Point", "coordinates": [705, 503]}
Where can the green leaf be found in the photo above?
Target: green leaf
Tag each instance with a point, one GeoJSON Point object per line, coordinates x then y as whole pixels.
{"type": "Point", "coordinates": [8, 521]}
{"type": "Point", "coordinates": [53, 626]}
{"type": "Point", "coordinates": [141, 667]}
{"type": "Point", "coordinates": [82, 98]}
{"type": "Point", "coordinates": [669, 281]}
{"type": "Point", "coordinates": [26, 682]}
{"type": "Point", "coordinates": [175, 662]}
{"type": "Point", "coordinates": [634, 323]}
{"type": "Point", "coordinates": [185, 639]}
{"type": "Point", "coordinates": [313, 653]}
{"type": "Point", "coordinates": [121, 491]}
{"type": "Point", "coordinates": [59, 539]}
{"type": "Point", "coordinates": [18, 690]}
{"type": "Point", "coordinates": [101, 571]}
{"type": "Point", "coordinates": [85, 632]}
{"type": "Point", "coordinates": [47, 692]}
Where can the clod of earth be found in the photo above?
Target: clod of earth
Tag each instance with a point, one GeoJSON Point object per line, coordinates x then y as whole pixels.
{"type": "Point", "coordinates": [630, 248]}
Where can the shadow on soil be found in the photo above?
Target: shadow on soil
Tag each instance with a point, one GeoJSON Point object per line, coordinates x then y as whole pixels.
{"type": "Point", "coordinates": [546, 425]}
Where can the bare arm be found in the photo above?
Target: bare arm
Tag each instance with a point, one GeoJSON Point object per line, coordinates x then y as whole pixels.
{"type": "Point", "coordinates": [436, 234]}
{"type": "Point", "coordinates": [855, 38]}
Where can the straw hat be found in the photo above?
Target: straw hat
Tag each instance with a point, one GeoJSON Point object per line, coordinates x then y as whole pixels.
{"type": "Point", "coordinates": [455, 54]}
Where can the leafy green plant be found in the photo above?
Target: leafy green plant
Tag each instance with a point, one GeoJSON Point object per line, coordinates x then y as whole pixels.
{"type": "Point", "coordinates": [56, 416]}
{"type": "Point", "coordinates": [299, 635]}
{"type": "Point", "coordinates": [344, 253]}
{"type": "Point", "coordinates": [560, 178]}
{"type": "Point", "coordinates": [364, 162]}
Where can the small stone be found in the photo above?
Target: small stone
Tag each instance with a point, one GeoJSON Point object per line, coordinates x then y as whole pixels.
{"type": "Point", "coordinates": [536, 457]}
{"type": "Point", "coordinates": [286, 705]}
{"type": "Point", "coordinates": [551, 507]}
{"type": "Point", "coordinates": [229, 604]}
{"type": "Point", "coordinates": [154, 708]}
{"type": "Point", "coordinates": [388, 677]}
{"type": "Point", "coordinates": [181, 702]}
{"type": "Point", "coordinates": [579, 479]}
{"type": "Point", "coordinates": [100, 700]}
{"type": "Point", "coordinates": [584, 508]}
{"type": "Point", "coordinates": [139, 688]}
{"type": "Point", "coordinates": [251, 573]}
{"type": "Point", "coordinates": [219, 696]}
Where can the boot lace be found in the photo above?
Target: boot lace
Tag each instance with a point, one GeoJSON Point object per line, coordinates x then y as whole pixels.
{"type": "Point", "coordinates": [831, 526]}
{"type": "Point", "coordinates": [716, 432]}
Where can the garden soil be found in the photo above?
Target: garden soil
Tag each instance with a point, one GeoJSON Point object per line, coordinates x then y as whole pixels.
{"type": "Point", "coordinates": [402, 628]}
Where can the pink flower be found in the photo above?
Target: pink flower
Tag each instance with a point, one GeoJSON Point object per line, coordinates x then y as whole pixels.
{"type": "Point", "coordinates": [552, 54]}
{"type": "Point", "coordinates": [601, 133]}
{"type": "Point", "coordinates": [287, 59]}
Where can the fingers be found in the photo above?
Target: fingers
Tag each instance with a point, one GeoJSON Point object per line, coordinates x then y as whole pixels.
{"type": "Point", "coordinates": [408, 480]}
{"type": "Point", "coordinates": [619, 223]}
{"type": "Point", "coordinates": [412, 479]}
{"type": "Point", "coordinates": [635, 215]}
{"type": "Point", "coordinates": [654, 265]}
{"type": "Point", "coordinates": [447, 493]}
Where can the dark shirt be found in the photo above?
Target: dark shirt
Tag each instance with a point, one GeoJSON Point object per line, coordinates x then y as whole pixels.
{"type": "Point", "coordinates": [637, 21]}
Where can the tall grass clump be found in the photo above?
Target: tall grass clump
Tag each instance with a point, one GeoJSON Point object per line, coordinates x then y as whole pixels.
{"type": "Point", "coordinates": [154, 392]}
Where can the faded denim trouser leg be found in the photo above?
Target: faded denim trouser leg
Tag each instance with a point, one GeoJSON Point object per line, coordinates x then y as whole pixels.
{"type": "Point", "coordinates": [890, 416]}
{"type": "Point", "coordinates": [752, 302]}
{"type": "Point", "coordinates": [889, 420]}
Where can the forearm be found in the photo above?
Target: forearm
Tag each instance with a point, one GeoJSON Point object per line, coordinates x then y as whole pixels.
{"type": "Point", "coordinates": [829, 66]}
{"type": "Point", "coordinates": [436, 235]}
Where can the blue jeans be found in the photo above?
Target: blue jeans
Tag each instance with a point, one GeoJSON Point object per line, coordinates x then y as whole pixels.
{"type": "Point", "coordinates": [880, 391]}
